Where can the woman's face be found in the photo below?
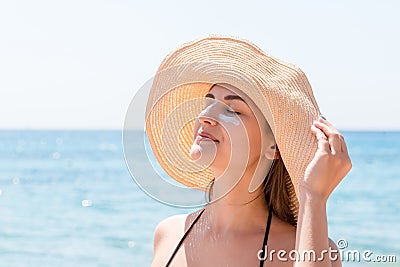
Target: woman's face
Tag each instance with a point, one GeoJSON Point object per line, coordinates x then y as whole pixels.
{"type": "Point", "coordinates": [230, 129]}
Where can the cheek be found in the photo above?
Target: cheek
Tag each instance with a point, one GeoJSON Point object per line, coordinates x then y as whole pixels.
{"type": "Point", "coordinates": [229, 120]}
{"type": "Point", "coordinates": [236, 138]}
{"type": "Point", "coordinates": [254, 135]}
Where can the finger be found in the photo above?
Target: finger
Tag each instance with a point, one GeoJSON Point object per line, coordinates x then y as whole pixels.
{"type": "Point", "coordinates": [323, 143]}
{"type": "Point", "coordinates": [344, 146]}
{"type": "Point", "coordinates": [324, 120]}
{"type": "Point", "coordinates": [332, 134]}
{"type": "Point", "coordinates": [327, 123]}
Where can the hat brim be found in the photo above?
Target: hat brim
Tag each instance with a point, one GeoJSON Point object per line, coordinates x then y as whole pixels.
{"type": "Point", "coordinates": [280, 90]}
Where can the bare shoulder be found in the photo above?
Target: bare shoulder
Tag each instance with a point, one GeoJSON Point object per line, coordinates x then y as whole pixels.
{"type": "Point", "coordinates": [167, 235]}
{"type": "Point", "coordinates": [336, 260]}
{"type": "Point", "coordinates": [332, 244]}
{"type": "Point", "coordinates": [168, 228]}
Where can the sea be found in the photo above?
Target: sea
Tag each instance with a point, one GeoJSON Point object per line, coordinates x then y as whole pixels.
{"type": "Point", "coordinates": [67, 198]}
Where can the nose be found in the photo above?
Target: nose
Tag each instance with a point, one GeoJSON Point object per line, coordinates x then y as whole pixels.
{"type": "Point", "coordinates": [207, 116]}
{"type": "Point", "coordinates": [207, 120]}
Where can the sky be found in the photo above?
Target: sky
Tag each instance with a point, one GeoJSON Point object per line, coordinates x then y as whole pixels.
{"type": "Point", "coordinates": [77, 64]}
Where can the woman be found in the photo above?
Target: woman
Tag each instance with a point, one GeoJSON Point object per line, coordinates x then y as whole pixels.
{"type": "Point", "coordinates": [257, 144]}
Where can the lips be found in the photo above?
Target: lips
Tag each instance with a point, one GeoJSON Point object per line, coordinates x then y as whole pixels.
{"type": "Point", "coordinates": [204, 135]}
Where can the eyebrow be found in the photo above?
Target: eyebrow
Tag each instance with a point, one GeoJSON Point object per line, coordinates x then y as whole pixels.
{"type": "Point", "coordinates": [228, 97]}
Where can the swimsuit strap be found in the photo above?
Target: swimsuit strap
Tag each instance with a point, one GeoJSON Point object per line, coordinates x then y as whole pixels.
{"type": "Point", "coordinates": [183, 238]}
{"type": "Point", "coordinates": [266, 237]}
{"type": "Point", "coordinates": [198, 217]}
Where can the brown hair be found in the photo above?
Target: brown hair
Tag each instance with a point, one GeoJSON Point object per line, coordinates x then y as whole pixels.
{"type": "Point", "coordinates": [277, 188]}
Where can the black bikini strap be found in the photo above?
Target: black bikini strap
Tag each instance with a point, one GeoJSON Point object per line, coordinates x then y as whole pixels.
{"type": "Point", "coordinates": [183, 239]}
{"type": "Point", "coordinates": [266, 237]}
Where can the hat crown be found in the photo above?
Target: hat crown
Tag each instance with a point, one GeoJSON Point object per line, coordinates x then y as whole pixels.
{"type": "Point", "coordinates": [280, 90]}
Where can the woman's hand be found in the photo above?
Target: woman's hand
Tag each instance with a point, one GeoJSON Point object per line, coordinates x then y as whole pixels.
{"type": "Point", "coordinates": [330, 164]}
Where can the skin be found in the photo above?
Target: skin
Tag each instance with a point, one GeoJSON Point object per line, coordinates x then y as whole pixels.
{"type": "Point", "coordinates": [231, 230]}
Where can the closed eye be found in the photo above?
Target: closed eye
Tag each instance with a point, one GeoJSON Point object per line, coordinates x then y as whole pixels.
{"type": "Point", "coordinates": [210, 99]}
{"type": "Point", "coordinates": [232, 111]}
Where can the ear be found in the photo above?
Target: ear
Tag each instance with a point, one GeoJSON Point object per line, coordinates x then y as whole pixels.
{"type": "Point", "coordinates": [272, 152]}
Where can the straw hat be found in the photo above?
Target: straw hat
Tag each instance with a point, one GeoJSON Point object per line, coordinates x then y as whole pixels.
{"type": "Point", "coordinates": [280, 90]}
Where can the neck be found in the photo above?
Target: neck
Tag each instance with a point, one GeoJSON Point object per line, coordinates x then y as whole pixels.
{"type": "Point", "coordinates": [238, 210]}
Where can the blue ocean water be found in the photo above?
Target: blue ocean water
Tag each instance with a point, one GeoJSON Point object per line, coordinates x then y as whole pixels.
{"type": "Point", "coordinates": [67, 199]}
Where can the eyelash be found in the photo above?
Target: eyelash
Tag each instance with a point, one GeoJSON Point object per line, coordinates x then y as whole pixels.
{"type": "Point", "coordinates": [207, 103]}
{"type": "Point", "coordinates": [233, 112]}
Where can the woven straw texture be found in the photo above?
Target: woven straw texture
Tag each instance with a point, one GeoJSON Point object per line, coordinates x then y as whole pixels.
{"type": "Point", "coordinates": [280, 90]}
